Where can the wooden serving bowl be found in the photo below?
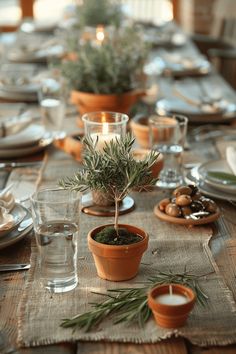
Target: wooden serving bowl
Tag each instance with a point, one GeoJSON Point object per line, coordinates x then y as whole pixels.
{"type": "Point", "coordinates": [188, 222]}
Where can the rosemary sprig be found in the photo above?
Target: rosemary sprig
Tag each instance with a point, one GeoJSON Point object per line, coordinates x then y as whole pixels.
{"type": "Point", "coordinates": [223, 176]}
{"type": "Point", "coordinates": [130, 304]}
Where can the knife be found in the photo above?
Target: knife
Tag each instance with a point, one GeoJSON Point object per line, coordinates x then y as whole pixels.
{"type": "Point", "coordinates": [13, 267]}
{"type": "Point", "coordinates": [18, 164]}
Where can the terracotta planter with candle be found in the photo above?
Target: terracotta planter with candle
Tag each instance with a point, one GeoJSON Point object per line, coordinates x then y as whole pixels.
{"type": "Point", "coordinates": [91, 102]}
{"type": "Point", "coordinates": [117, 263]}
{"type": "Point", "coordinates": [171, 310]}
{"type": "Point", "coordinates": [141, 154]}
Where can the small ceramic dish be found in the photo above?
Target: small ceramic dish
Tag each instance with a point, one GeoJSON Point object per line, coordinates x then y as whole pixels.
{"type": "Point", "coordinates": [182, 221]}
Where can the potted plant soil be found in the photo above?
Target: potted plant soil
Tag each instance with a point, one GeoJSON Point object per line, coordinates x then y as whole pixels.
{"type": "Point", "coordinates": [107, 76]}
{"type": "Point", "coordinates": [117, 248]}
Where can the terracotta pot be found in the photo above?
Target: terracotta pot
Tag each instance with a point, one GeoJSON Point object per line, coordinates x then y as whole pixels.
{"type": "Point", "coordinates": [117, 263]}
{"type": "Point", "coordinates": [140, 154]}
{"type": "Point", "coordinates": [90, 102]}
{"type": "Point", "coordinates": [171, 316]}
{"type": "Point", "coordinates": [140, 129]}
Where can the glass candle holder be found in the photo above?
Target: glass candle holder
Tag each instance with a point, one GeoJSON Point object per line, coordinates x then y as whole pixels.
{"type": "Point", "coordinates": [103, 127]}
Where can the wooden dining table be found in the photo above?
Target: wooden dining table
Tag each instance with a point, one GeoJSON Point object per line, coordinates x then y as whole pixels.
{"type": "Point", "coordinates": [222, 245]}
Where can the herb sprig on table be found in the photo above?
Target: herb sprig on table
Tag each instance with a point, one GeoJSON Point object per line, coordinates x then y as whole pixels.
{"type": "Point", "coordinates": [129, 305]}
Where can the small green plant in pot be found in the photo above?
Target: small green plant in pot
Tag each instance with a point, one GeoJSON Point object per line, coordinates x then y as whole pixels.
{"type": "Point", "coordinates": [107, 77]}
{"type": "Point", "coordinates": [116, 172]}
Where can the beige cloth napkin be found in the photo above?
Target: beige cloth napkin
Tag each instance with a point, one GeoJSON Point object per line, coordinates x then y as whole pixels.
{"type": "Point", "coordinates": [231, 158]}
{"type": "Point", "coordinates": [15, 124]}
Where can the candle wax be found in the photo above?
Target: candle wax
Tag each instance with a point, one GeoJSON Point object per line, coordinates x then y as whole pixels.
{"type": "Point", "coordinates": [171, 299]}
{"type": "Point", "coordinates": [103, 138]}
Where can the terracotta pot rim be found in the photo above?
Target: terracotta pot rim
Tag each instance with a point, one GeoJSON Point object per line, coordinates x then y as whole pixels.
{"type": "Point", "coordinates": [133, 92]}
{"type": "Point", "coordinates": [143, 234]}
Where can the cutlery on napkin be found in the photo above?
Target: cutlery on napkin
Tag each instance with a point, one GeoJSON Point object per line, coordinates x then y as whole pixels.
{"type": "Point", "coordinates": [15, 124]}
{"type": "Point", "coordinates": [231, 158]}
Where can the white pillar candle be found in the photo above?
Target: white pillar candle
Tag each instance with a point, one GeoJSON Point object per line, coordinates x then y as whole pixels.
{"type": "Point", "coordinates": [171, 299]}
{"type": "Point", "coordinates": [104, 137]}
{"type": "Point", "coordinates": [174, 299]}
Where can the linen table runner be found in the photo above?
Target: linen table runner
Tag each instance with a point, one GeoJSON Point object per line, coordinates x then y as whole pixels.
{"type": "Point", "coordinates": [171, 247]}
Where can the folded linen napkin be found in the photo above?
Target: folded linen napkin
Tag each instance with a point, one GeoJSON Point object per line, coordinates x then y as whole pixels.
{"type": "Point", "coordinates": [15, 124]}
{"type": "Point", "coordinates": [231, 158]}
{"type": "Point", "coordinates": [6, 220]}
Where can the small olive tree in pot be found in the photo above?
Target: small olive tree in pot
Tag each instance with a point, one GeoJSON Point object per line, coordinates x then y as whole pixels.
{"type": "Point", "coordinates": [114, 171]}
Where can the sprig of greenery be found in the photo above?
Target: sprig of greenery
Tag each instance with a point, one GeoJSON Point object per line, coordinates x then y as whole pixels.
{"type": "Point", "coordinates": [223, 176]}
{"type": "Point", "coordinates": [129, 305]}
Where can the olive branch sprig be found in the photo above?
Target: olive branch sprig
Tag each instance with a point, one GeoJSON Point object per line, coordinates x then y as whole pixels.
{"type": "Point", "coordinates": [130, 304]}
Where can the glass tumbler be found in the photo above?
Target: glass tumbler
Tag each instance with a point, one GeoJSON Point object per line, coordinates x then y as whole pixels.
{"type": "Point", "coordinates": [56, 224]}
{"type": "Point", "coordinates": [103, 127]}
{"type": "Point", "coordinates": [52, 100]}
{"type": "Point", "coordinates": [167, 135]}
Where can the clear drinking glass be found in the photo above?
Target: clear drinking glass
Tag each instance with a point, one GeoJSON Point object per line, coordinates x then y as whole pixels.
{"type": "Point", "coordinates": [103, 127]}
{"type": "Point", "coordinates": [52, 100]}
{"type": "Point", "coordinates": [167, 135]}
{"type": "Point", "coordinates": [56, 224]}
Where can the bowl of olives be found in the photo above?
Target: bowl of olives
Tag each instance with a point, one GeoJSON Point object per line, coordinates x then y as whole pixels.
{"type": "Point", "coordinates": [187, 206]}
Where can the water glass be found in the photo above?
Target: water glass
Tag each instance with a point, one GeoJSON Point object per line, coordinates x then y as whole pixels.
{"type": "Point", "coordinates": [167, 135]}
{"type": "Point", "coordinates": [56, 224]}
{"type": "Point", "coordinates": [52, 100]}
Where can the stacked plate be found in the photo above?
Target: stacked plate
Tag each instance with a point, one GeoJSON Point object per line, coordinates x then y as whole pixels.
{"type": "Point", "coordinates": [22, 224]}
{"type": "Point", "coordinates": [176, 66]}
{"type": "Point", "coordinates": [209, 184]}
{"type": "Point", "coordinates": [27, 142]}
{"type": "Point", "coordinates": [17, 82]}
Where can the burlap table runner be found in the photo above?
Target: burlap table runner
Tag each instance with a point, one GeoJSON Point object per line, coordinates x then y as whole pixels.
{"type": "Point", "coordinates": [171, 247]}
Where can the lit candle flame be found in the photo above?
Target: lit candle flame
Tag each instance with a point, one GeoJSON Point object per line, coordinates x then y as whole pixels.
{"type": "Point", "coordinates": [100, 35]}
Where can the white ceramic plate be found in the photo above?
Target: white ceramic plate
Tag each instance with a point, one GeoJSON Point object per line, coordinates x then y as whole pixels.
{"type": "Point", "coordinates": [206, 189]}
{"type": "Point", "coordinates": [29, 136]}
{"type": "Point", "coordinates": [18, 213]}
{"type": "Point", "coordinates": [18, 233]}
{"type": "Point", "coordinates": [219, 166]}
{"type": "Point", "coordinates": [26, 151]}
{"type": "Point", "coordinates": [194, 113]}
